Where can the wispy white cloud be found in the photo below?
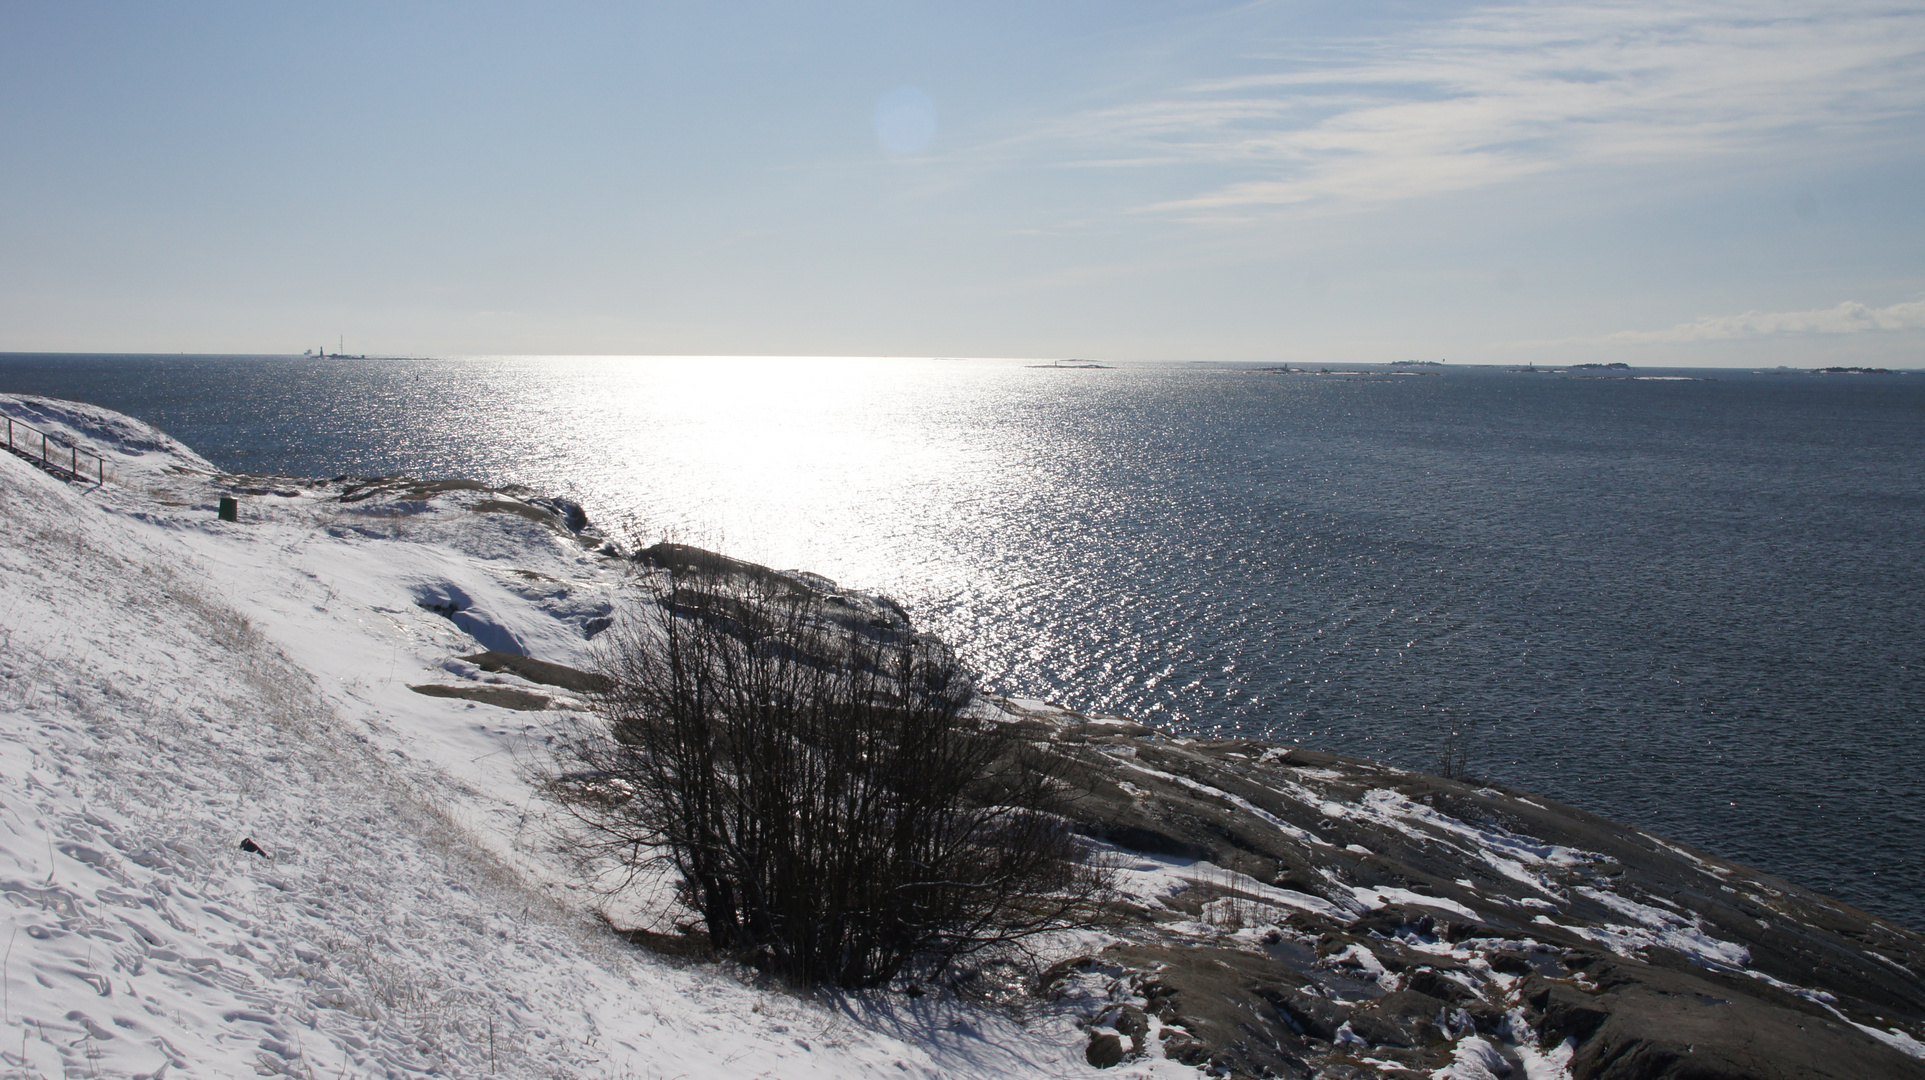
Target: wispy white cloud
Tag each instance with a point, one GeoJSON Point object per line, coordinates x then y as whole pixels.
{"type": "Point", "coordinates": [1849, 317]}
{"type": "Point", "coordinates": [1514, 90]}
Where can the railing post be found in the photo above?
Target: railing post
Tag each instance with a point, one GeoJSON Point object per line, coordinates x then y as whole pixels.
{"type": "Point", "coordinates": [46, 452]}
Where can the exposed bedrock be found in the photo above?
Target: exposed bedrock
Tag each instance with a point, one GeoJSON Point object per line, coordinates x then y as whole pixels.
{"type": "Point", "coordinates": [1296, 913]}
{"type": "Point", "coordinates": [709, 584]}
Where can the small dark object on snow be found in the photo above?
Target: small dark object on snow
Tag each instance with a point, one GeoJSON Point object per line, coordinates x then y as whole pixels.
{"type": "Point", "coordinates": [248, 845]}
{"type": "Point", "coordinates": [230, 509]}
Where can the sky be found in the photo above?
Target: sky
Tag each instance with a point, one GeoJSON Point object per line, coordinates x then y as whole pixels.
{"type": "Point", "coordinates": [1691, 183]}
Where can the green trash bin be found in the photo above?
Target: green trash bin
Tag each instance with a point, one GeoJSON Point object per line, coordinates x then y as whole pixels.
{"type": "Point", "coordinates": [230, 509]}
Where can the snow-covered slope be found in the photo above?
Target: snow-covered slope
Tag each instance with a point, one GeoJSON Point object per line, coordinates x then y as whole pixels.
{"type": "Point", "coordinates": [171, 684]}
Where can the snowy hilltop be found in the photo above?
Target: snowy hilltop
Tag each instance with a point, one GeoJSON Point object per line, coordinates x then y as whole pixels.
{"type": "Point", "coordinates": [269, 799]}
{"type": "Point", "coordinates": [172, 685]}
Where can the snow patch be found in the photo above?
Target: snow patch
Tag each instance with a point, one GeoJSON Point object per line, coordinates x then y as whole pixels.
{"type": "Point", "coordinates": [1662, 928]}
{"type": "Point", "coordinates": [1473, 1058]}
{"type": "Point", "coordinates": [1894, 1038]}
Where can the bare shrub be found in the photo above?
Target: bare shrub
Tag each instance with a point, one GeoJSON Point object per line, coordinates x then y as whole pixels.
{"type": "Point", "coordinates": [1453, 754]}
{"type": "Point", "coordinates": [833, 806]}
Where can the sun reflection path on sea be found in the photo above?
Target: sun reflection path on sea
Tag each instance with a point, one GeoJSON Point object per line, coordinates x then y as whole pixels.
{"type": "Point", "coordinates": [884, 474]}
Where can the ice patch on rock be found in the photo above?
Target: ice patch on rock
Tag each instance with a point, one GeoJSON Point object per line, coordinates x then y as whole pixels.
{"type": "Point", "coordinates": [1665, 929]}
{"type": "Point", "coordinates": [1474, 1058]}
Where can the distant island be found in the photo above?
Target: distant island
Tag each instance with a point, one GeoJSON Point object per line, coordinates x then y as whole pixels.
{"type": "Point", "coordinates": [1855, 371]}
{"type": "Point", "coordinates": [1416, 363]}
{"type": "Point", "coordinates": [1347, 375]}
{"type": "Point", "coordinates": [1071, 364]}
{"type": "Point", "coordinates": [1600, 367]}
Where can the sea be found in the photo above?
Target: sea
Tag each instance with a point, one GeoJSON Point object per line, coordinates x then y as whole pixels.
{"type": "Point", "coordinates": [1689, 600]}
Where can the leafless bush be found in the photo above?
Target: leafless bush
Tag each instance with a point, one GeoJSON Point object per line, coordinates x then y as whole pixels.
{"type": "Point", "coordinates": [1453, 755]}
{"type": "Point", "coordinates": [834, 808]}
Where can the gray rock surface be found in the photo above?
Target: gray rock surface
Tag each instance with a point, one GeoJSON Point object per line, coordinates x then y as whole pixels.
{"type": "Point", "coordinates": [1344, 918]}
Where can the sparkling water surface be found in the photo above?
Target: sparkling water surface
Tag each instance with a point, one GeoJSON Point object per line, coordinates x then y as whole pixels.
{"type": "Point", "coordinates": [1691, 605]}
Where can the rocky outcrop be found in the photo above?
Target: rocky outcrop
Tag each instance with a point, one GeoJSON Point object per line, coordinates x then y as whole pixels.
{"type": "Point", "coordinates": [1304, 914]}
{"type": "Point", "coordinates": [710, 584]}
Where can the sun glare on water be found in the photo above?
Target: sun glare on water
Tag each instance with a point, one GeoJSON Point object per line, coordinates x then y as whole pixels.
{"type": "Point", "coordinates": [772, 457]}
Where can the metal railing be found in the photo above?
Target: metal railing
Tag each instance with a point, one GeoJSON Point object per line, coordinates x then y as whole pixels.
{"type": "Point", "coordinates": [55, 454]}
